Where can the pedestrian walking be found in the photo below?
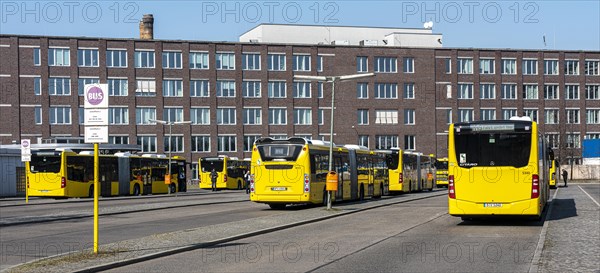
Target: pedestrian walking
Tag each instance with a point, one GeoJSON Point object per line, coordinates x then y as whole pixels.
{"type": "Point", "coordinates": [565, 175]}
{"type": "Point", "coordinates": [247, 180]}
{"type": "Point", "coordinates": [213, 179]}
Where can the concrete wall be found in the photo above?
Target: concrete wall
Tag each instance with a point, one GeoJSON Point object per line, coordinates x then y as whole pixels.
{"type": "Point", "coordinates": [582, 172]}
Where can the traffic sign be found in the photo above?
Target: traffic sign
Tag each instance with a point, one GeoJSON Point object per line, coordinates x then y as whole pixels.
{"type": "Point", "coordinates": [96, 96]}
{"type": "Point", "coordinates": [96, 134]}
{"type": "Point", "coordinates": [25, 150]}
{"type": "Point", "coordinates": [96, 116]}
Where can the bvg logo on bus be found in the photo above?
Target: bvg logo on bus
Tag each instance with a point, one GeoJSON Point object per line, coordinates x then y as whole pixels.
{"type": "Point", "coordinates": [331, 183]}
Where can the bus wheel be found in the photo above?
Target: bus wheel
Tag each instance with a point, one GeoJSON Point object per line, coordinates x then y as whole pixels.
{"type": "Point", "coordinates": [277, 206]}
{"type": "Point", "coordinates": [380, 192]}
{"type": "Point", "coordinates": [409, 186]}
{"type": "Point", "coordinates": [91, 192]}
{"type": "Point", "coordinates": [361, 194]}
{"type": "Point", "coordinates": [172, 188]}
{"type": "Point", "coordinates": [136, 189]}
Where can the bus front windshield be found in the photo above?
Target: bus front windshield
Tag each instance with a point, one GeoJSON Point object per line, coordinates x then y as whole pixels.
{"type": "Point", "coordinates": [45, 164]}
{"type": "Point", "coordinates": [492, 149]}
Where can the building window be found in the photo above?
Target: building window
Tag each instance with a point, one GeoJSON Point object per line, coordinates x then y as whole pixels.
{"type": "Point", "coordinates": [409, 65]}
{"type": "Point", "coordinates": [252, 116]}
{"type": "Point", "coordinates": [592, 136]}
{"type": "Point", "coordinates": [116, 58]}
{"type": "Point", "coordinates": [449, 116]}
{"type": "Point", "coordinates": [118, 139]}
{"type": "Point", "coordinates": [509, 91]}
{"type": "Point", "coordinates": [277, 116]}
{"type": "Point", "coordinates": [509, 66]}
{"type": "Point", "coordinates": [301, 90]}
{"type": "Point", "coordinates": [172, 88]}
{"type": "Point", "coordinates": [301, 63]}
{"type": "Point", "coordinates": [147, 143]}
{"type": "Point", "coordinates": [553, 140]}
{"type": "Point", "coordinates": [37, 59]}
{"type": "Point", "coordinates": [487, 114]}
{"type": "Point", "coordinates": [386, 91]}
{"type": "Point", "coordinates": [465, 65]}
{"type": "Point", "coordinates": [532, 113]}
{"type": "Point", "coordinates": [571, 91]}
{"type": "Point", "coordinates": [509, 113]}
{"type": "Point", "coordinates": [386, 142]}
{"type": "Point", "coordinates": [592, 92]}
{"type": "Point", "coordinates": [448, 65]}
{"type": "Point", "coordinates": [226, 116]}
{"type": "Point", "coordinates": [250, 61]}
{"type": "Point", "coordinates": [277, 89]}
{"type": "Point", "coordinates": [59, 57]}
{"type": "Point", "coordinates": [225, 89]}
{"type": "Point", "coordinates": [362, 64]}
{"type": "Point", "coordinates": [199, 88]}
{"type": "Point", "coordinates": [225, 61]}
{"type": "Point", "coordinates": [171, 60]}
{"type": "Point", "coordinates": [200, 144]}
{"type": "Point", "coordinates": [465, 91]}
{"type": "Point", "coordinates": [551, 116]}
{"type": "Point", "coordinates": [320, 90]}
{"type": "Point", "coordinates": [302, 116]}
{"type": "Point", "coordinates": [571, 67]}
{"type": "Point", "coordinates": [386, 116]}
{"type": "Point", "coordinates": [118, 115]}
{"type": "Point", "coordinates": [251, 89]}
{"type": "Point", "coordinates": [143, 115]}
{"type": "Point", "coordinates": [59, 86]}
{"type": "Point", "coordinates": [363, 117]}
{"type": "Point", "coordinates": [200, 116]}
{"type": "Point", "coordinates": [173, 144]}
{"type": "Point", "coordinates": [487, 91]}
{"type": "Point", "coordinates": [465, 115]}
{"type": "Point", "coordinates": [144, 59]}
{"type": "Point", "coordinates": [226, 144]}
{"type": "Point", "coordinates": [60, 115]}
{"type": "Point", "coordinates": [362, 90]}
{"type": "Point", "coordinates": [321, 116]}
{"type": "Point", "coordinates": [550, 67]}
{"type": "Point", "coordinates": [572, 116]}
{"type": "Point", "coordinates": [573, 141]}
{"type": "Point", "coordinates": [37, 86]}
{"type": "Point", "coordinates": [409, 90]}
{"type": "Point", "coordinates": [530, 92]}
{"type": "Point", "coordinates": [87, 57]}
{"type": "Point", "coordinates": [551, 91]}
{"type": "Point", "coordinates": [145, 88]}
{"type": "Point", "coordinates": [276, 62]}
{"type": "Point", "coordinates": [486, 66]}
{"type": "Point", "coordinates": [592, 68]}
{"type": "Point", "coordinates": [592, 116]}
{"type": "Point", "coordinates": [117, 87]}
{"type": "Point", "coordinates": [172, 114]}
{"type": "Point", "coordinates": [363, 141]}
{"type": "Point", "coordinates": [249, 142]}
{"type": "Point", "coordinates": [410, 142]}
{"type": "Point", "coordinates": [38, 115]}
{"type": "Point", "coordinates": [385, 65]}
{"type": "Point", "coordinates": [81, 82]}
{"type": "Point", "coordinates": [529, 67]}
{"type": "Point", "coordinates": [409, 116]}
{"type": "Point", "coordinates": [320, 63]}
{"type": "Point", "coordinates": [81, 115]}
{"type": "Point", "coordinates": [198, 60]}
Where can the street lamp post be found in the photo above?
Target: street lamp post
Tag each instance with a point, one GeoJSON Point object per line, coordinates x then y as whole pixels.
{"type": "Point", "coordinates": [170, 123]}
{"type": "Point", "coordinates": [332, 80]}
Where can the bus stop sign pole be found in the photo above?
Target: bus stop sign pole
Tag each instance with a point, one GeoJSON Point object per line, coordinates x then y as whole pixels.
{"type": "Point", "coordinates": [96, 191]}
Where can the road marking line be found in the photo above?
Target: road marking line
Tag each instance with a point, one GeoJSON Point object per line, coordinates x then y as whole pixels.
{"type": "Point", "coordinates": [537, 254]}
{"type": "Point", "coordinates": [589, 195]}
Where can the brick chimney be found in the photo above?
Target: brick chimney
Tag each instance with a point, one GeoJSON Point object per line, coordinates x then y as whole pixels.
{"type": "Point", "coordinates": [147, 27]}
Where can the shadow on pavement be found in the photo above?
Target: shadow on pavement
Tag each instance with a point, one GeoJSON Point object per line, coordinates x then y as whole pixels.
{"type": "Point", "coordinates": [563, 208]}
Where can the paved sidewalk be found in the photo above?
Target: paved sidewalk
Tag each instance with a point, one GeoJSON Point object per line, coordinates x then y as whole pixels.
{"type": "Point", "coordinates": [572, 242]}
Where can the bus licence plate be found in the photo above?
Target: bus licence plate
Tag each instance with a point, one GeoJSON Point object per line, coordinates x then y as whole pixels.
{"type": "Point", "coordinates": [492, 205]}
{"type": "Point", "coordinates": [278, 188]}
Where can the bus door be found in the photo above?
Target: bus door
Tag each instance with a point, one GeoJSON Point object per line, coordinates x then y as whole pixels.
{"type": "Point", "coordinates": [147, 181]}
{"type": "Point", "coordinates": [181, 177]}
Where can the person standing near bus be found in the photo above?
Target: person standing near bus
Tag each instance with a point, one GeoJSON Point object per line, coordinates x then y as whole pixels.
{"type": "Point", "coordinates": [247, 181]}
{"type": "Point", "coordinates": [565, 175]}
{"type": "Point", "coordinates": [213, 179]}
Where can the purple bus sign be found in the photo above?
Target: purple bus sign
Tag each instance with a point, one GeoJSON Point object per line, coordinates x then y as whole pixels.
{"type": "Point", "coordinates": [95, 96]}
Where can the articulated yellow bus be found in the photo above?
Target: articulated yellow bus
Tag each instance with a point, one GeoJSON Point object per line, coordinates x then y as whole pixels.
{"type": "Point", "coordinates": [497, 168]}
{"type": "Point", "coordinates": [64, 174]}
{"type": "Point", "coordinates": [230, 171]}
{"type": "Point", "coordinates": [441, 173]}
{"type": "Point", "coordinates": [553, 172]}
{"type": "Point", "coordinates": [294, 171]}
{"type": "Point", "coordinates": [409, 171]}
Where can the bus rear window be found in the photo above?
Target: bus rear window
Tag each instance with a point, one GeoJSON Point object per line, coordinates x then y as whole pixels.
{"type": "Point", "coordinates": [492, 149]}
{"type": "Point", "coordinates": [281, 152]}
{"type": "Point", "coordinates": [44, 164]}
{"type": "Point", "coordinates": [209, 165]}
{"type": "Point", "coordinates": [392, 161]}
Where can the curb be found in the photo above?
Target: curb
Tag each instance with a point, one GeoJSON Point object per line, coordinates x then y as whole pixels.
{"type": "Point", "coordinates": [537, 255]}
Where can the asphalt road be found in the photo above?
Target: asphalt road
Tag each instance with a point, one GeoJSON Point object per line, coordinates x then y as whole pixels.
{"type": "Point", "coordinates": [417, 236]}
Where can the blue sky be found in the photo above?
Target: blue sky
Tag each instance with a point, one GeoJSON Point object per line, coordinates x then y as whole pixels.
{"type": "Point", "coordinates": [572, 25]}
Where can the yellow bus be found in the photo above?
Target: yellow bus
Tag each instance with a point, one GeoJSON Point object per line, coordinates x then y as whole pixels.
{"type": "Point", "coordinates": [409, 171]}
{"type": "Point", "coordinates": [294, 171]}
{"type": "Point", "coordinates": [230, 172]}
{"type": "Point", "coordinates": [441, 172]}
{"type": "Point", "coordinates": [64, 174]}
{"type": "Point", "coordinates": [497, 168]}
{"type": "Point", "coordinates": [553, 172]}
